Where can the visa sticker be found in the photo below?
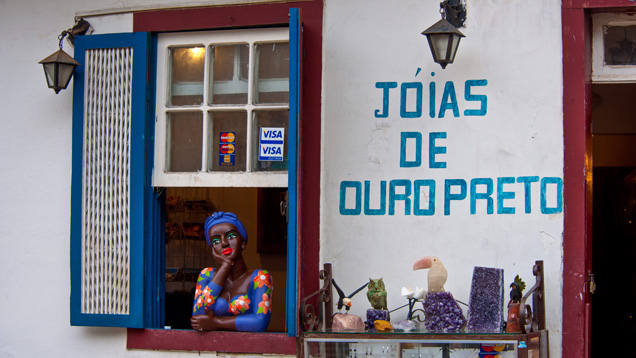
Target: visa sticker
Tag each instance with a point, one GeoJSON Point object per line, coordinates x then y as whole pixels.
{"type": "Point", "coordinates": [271, 144]}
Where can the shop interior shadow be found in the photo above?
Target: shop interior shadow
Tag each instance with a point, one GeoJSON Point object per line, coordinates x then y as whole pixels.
{"type": "Point", "coordinates": [614, 221]}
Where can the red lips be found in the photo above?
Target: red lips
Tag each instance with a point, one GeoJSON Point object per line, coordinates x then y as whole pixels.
{"type": "Point", "coordinates": [227, 251]}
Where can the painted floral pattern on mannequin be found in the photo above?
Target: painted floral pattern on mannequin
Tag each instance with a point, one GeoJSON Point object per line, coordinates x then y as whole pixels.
{"type": "Point", "coordinates": [230, 297]}
{"type": "Point", "coordinates": [250, 307]}
{"type": "Point", "coordinates": [265, 306]}
{"type": "Point", "coordinates": [262, 278]}
{"type": "Point", "coordinates": [239, 305]}
{"type": "Point", "coordinates": [203, 297]}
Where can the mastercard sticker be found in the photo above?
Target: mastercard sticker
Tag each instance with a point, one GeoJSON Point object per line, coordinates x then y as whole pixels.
{"type": "Point", "coordinates": [491, 350]}
{"type": "Point", "coordinates": [227, 149]}
{"type": "Point", "coordinates": [227, 137]}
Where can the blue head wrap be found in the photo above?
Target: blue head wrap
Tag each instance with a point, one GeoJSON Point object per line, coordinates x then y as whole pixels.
{"type": "Point", "coordinates": [221, 217]}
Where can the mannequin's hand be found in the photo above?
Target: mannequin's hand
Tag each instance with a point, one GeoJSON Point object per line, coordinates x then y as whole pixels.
{"type": "Point", "coordinates": [224, 260]}
{"type": "Point", "coordinates": [206, 322]}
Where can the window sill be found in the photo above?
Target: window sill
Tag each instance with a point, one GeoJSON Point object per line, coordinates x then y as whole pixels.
{"type": "Point", "coordinates": [232, 342]}
{"type": "Point", "coordinates": [232, 179]}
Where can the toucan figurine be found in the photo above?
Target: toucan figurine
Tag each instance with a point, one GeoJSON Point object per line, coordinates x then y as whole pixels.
{"type": "Point", "coordinates": [437, 273]}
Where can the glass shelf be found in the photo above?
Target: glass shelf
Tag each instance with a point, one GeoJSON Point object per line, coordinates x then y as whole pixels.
{"type": "Point", "coordinates": [424, 345]}
{"type": "Point", "coordinates": [419, 333]}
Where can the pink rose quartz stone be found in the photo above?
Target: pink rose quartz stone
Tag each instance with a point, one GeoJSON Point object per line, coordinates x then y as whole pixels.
{"type": "Point", "coordinates": [347, 322]}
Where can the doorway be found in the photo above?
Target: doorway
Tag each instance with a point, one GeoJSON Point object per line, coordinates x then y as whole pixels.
{"type": "Point", "coordinates": [614, 220]}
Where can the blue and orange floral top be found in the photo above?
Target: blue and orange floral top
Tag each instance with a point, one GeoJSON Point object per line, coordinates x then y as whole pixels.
{"type": "Point", "coordinates": [252, 309]}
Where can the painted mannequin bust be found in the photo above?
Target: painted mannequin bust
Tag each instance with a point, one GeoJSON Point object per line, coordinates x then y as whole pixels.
{"type": "Point", "coordinates": [231, 297]}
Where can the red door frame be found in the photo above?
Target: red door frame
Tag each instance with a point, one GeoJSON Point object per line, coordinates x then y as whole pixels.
{"type": "Point", "coordinates": [577, 171]}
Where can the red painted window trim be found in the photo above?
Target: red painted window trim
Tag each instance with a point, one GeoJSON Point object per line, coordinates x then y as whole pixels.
{"type": "Point", "coordinates": [212, 18]}
{"type": "Point", "coordinates": [234, 342]}
{"type": "Point", "coordinates": [577, 169]}
{"type": "Point", "coordinates": [243, 16]}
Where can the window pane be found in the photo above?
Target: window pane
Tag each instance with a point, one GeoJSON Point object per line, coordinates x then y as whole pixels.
{"type": "Point", "coordinates": [184, 138]}
{"type": "Point", "coordinates": [228, 131]}
{"type": "Point", "coordinates": [272, 120]}
{"type": "Point", "coordinates": [440, 44]}
{"type": "Point", "coordinates": [620, 45]}
{"type": "Point", "coordinates": [186, 76]}
{"type": "Point", "coordinates": [229, 71]}
{"type": "Point", "coordinates": [272, 73]}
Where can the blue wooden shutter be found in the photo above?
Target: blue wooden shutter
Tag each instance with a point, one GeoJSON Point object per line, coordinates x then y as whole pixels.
{"type": "Point", "coordinates": [110, 181]}
{"type": "Point", "coordinates": [295, 53]}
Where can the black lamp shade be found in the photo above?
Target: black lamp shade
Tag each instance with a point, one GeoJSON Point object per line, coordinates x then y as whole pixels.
{"type": "Point", "coordinates": [58, 69]}
{"type": "Point", "coordinates": [443, 38]}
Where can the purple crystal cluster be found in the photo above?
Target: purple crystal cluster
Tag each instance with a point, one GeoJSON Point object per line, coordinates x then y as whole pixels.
{"type": "Point", "coordinates": [374, 315]}
{"type": "Point", "coordinates": [485, 308]}
{"type": "Point", "coordinates": [442, 313]}
{"type": "Point", "coordinates": [406, 326]}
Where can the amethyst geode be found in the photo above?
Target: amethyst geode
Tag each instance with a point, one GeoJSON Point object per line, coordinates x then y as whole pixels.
{"type": "Point", "coordinates": [374, 315]}
{"type": "Point", "coordinates": [406, 326]}
{"type": "Point", "coordinates": [442, 313]}
{"type": "Point", "coordinates": [485, 308]}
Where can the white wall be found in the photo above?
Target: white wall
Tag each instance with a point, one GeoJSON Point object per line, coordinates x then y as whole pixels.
{"type": "Point", "coordinates": [35, 162]}
{"type": "Point", "coordinates": [516, 47]}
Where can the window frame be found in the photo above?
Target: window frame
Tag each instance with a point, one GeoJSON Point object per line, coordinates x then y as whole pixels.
{"type": "Point", "coordinates": [602, 72]}
{"type": "Point", "coordinates": [208, 178]}
{"type": "Point", "coordinates": [308, 190]}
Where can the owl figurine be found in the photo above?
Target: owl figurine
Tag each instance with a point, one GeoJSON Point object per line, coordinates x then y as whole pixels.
{"type": "Point", "coordinates": [377, 294]}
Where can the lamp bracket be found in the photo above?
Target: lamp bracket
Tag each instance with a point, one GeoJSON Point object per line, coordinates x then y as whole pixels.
{"type": "Point", "coordinates": [454, 11]}
{"type": "Point", "coordinates": [81, 27]}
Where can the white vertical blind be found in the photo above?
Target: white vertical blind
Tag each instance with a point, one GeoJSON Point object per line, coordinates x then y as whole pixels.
{"type": "Point", "coordinates": [106, 178]}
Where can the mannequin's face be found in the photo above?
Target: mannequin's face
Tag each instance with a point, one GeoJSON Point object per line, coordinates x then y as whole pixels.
{"type": "Point", "coordinates": [226, 240]}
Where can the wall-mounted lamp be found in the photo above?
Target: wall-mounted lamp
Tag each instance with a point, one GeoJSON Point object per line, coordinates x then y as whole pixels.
{"type": "Point", "coordinates": [443, 37]}
{"type": "Point", "coordinates": [59, 67]}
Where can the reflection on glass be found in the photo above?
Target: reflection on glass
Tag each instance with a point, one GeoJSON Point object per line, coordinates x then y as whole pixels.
{"type": "Point", "coordinates": [620, 45]}
{"type": "Point", "coordinates": [184, 138]}
{"type": "Point", "coordinates": [229, 71]}
{"type": "Point", "coordinates": [272, 73]}
{"type": "Point", "coordinates": [272, 120]}
{"type": "Point", "coordinates": [228, 133]}
{"type": "Point", "coordinates": [186, 76]}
